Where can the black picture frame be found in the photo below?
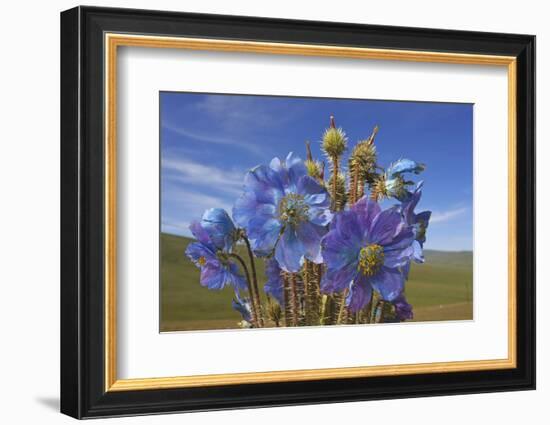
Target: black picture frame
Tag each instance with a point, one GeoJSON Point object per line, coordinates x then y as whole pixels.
{"type": "Point", "coordinates": [82, 218]}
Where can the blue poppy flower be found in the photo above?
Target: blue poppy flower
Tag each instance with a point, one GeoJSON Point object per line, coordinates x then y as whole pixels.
{"type": "Point", "coordinates": [403, 310]}
{"type": "Point", "coordinates": [274, 284]}
{"type": "Point", "coordinates": [395, 184]}
{"type": "Point", "coordinates": [219, 226]}
{"type": "Point", "coordinates": [365, 248]}
{"type": "Point", "coordinates": [217, 269]}
{"type": "Point", "coordinates": [419, 221]}
{"type": "Point", "coordinates": [284, 209]}
{"type": "Point", "coordinates": [242, 305]}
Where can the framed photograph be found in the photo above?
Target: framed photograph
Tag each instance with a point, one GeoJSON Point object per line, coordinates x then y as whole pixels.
{"type": "Point", "coordinates": [261, 212]}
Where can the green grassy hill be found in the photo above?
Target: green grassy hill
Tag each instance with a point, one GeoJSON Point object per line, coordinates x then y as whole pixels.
{"type": "Point", "coordinates": [440, 289]}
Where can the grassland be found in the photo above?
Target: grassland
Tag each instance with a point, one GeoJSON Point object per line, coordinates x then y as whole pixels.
{"type": "Point", "coordinates": [440, 289]}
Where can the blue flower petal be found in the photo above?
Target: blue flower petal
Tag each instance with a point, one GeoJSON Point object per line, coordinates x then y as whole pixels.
{"type": "Point", "coordinates": [264, 235]}
{"type": "Point", "coordinates": [296, 168]}
{"type": "Point", "coordinates": [409, 206]}
{"type": "Point", "coordinates": [213, 276]}
{"type": "Point", "coordinates": [242, 305]}
{"type": "Point", "coordinates": [341, 246]}
{"type": "Point", "coordinates": [197, 250]}
{"type": "Point", "coordinates": [366, 211]}
{"type": "Point", "coordinates": [320, 216]}
{"type": "Point", "coordinates": [313, 192]}
{"type": "Point", "coordinates": [418, 254]}
{"type": "Point", "coordinates": [234, 277]}
{"type": "Point", "coordinates": [310, 236]}
{"type": "Point", "coordinates": [423, 219]}
{"type": "Point", "coordinates": [219, 226]}
{"type": "Point", "coordinates": [360, 295]}
{"type": "Point", "coordinates": [398, 257]}
{"type": "Point", "coordinates": [404, 166]}
{"type": "Point", "coordinates": [336, 280]}
{"type": "Point", "coordinates": [403, 310]}
{"type": "Point", "coordinates": [389, 282]}
{"type": "Point", "coordinates": [274, 284]}
{"type": "Point", "coordinates": [200, 234]}
{"type": "Point", "coordinates": [402, 239]}
{"type": "Point", "coordinates": [385, 226]}
{"type": "Point", "coordinates": [265, 183]}
{"type": "Point", "coordinates": [289, 252]}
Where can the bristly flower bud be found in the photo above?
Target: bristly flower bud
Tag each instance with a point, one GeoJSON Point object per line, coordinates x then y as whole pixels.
{"type": "Point", "coordinates": [384, 187]}
{"type": "Point", "coordinates": [313, 169]}
{"type": "Point", "coordinates": [274, 313]}
{"type": "Point", "coordinates": [334, 143]}
{"type": "Point", "coordinates": [363, 160]}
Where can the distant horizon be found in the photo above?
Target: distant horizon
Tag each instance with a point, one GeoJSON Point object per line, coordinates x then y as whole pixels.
{"type": "Point", "coordinates": [209, 141]}
{"type": "Point", "coordinates": [425, 250]}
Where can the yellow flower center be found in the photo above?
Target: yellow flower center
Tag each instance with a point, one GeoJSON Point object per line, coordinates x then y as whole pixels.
{"type": "Point", "coordinates": [293, 209]}
{"type": "Point", "coordinates": [202, 261]}
{"type": "Point", "coordinates": [371, 259]}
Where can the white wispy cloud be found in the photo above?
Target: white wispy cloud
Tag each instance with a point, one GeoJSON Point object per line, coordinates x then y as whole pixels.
{"type": "Point", "coordinates": [226, 140]}
{"type": "Point", "coordinates": [234, 112]}
{"type": "Point", "coordinates": [182, 206]}
{"type": "Point", "coordinates": [190, 172]}
{"type": "Point", "coordinates": [443, 216]}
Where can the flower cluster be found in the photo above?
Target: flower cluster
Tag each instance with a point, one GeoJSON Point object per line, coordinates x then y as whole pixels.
{"type": "Point", "coordinates": [332, 254]}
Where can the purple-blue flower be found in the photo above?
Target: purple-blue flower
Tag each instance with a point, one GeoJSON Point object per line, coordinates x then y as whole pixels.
{"type": "Point", "coordinates": [365, 248]}
{"type": "Point", "coordinates": [395, 184]}
{"type": "Point", "coordinates": [285, 210]}
{"type": "Point", "coordinates": [242, 305]}
{"type": "Point", "coordinates": [210, 252]}
{"type": "Point", "coordinates": [403, 310]}
{"type": "Point", "coordinates": [274, 284]}
{"type": "Point", "coordinates": [419, 222]}
{"type": "Point", "coordinates": [219, 226]}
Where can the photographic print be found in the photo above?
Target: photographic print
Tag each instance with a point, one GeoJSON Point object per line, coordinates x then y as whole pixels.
{"type": "Point", "coordinates": [300, 211]}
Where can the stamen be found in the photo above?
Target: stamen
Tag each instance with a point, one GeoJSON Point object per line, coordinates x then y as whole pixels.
{"type": "Point", "coordinates": [371, 259]}
{"type": "Point", "coordinates": [202, 261]}
{"type": "Point", "coordinates": [293, 209]}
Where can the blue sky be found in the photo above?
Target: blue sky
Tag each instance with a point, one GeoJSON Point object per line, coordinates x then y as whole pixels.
{"type": "Point", "coordinates": [208, 142]}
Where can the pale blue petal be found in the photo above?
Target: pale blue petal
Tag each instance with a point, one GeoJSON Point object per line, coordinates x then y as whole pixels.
{"type": "Point", "coordinates": [289, 252]}
{"type": "Point", "coordinates": [398, 257]}
{"type": "Point", "coordinates": [265, 237]}
{"type": "Point", "coordinates": [213, 276]}
{"type": "Point", "coordinates": [196, 250]}
{"type": "Point", "coordinates": [310, 236]}
{"type": "Point", "coordinates": [219, 226]}
{"type": "Point", "coordinates": [404, 165]}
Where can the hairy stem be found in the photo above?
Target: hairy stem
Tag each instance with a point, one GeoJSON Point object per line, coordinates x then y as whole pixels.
{"type": "Point", "coordinates": [312, 293]}
{"type": "Point", "coordinates": [294, 299]}
{"type": "Point", "coordinates": [286, 298]}
{"type": "Point", "coordinates": [335, 166]}
{"type": "Point", "coordinates": [253, 309]}
{"type": "Point", "coordinates": [254, 282]}
{"type": "Point", "coordinates": [353, 188]}
{"type": "Point", "coordinates": [342, 309]}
